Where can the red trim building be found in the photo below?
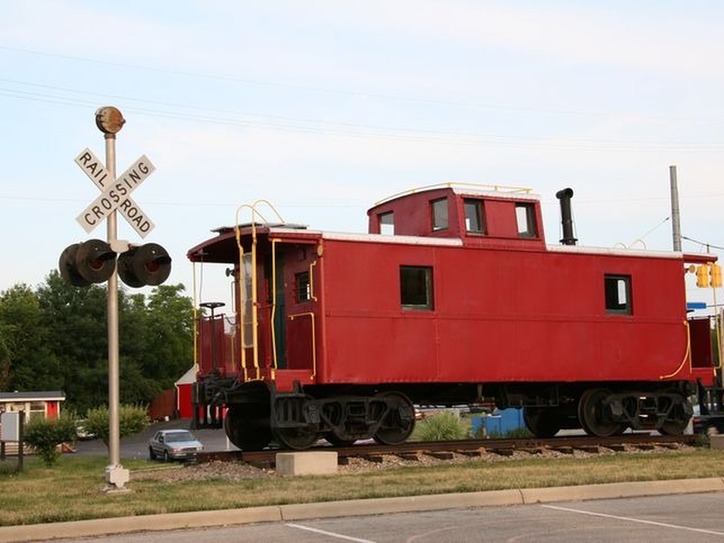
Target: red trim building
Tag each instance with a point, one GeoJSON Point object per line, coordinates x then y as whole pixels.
{"type": "Point", "coordinates": [35, 403]}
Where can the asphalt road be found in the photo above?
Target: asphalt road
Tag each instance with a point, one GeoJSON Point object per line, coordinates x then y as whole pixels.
{"type": "Point", "coordinates": [687, 517]}
{"type": "Point", "coordinates": [136, 446]}
{"type": "Point", "coordinates": [664, 511]}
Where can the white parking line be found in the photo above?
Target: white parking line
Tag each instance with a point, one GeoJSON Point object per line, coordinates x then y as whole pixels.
{"type": "Point", "coordinates": [331, 534]}
{"type": "Point", "coordinates": [640, 521]}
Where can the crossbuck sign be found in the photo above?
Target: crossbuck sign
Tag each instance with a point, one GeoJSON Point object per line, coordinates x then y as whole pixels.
{"type": "Point", "coordinates": [115, 193]}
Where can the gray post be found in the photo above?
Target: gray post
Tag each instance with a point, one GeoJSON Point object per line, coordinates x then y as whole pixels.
{"type": "Point", "coordinates": [21, 440]}
{"type": "Point", "coordinates": [109, 120]}
{"type": "Point", "coordinates": [675, 215]}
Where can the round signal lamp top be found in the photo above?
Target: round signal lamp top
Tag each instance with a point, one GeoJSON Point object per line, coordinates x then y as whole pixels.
{"type": "Point", "coordinates": [109, 120]}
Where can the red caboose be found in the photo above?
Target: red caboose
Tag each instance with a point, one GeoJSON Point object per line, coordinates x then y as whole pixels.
{"type": "Point", "coordinates": [451, 298]}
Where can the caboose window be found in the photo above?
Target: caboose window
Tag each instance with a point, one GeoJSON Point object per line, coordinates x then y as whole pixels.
{"type": "Point", "coordinates": [618, 294]}
{"type": "Point", "coordinates": [387, 223]}
{"type": "Point", "coordinates": [303, 287]}
{"type": "Point", "coordinates": [474, 218]}
{"type": "Point", "coordinates": [439, 214]}
{"type": "Point", "coordinates": [525, 217]}
{"type": "Point", "coordinates": [416, 287]}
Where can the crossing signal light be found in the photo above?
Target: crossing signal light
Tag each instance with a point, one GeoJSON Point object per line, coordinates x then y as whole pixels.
{"type": "Point", "coordinates": [709, 275]}
{"type": "Point", "coordinates": [702, 276]}
{"type": "Point", "coordinates": [716, 276]}
{"type": "Point", "coordinates": [82, 264]}
{"type": "Point", "coordinates": [148, 264]}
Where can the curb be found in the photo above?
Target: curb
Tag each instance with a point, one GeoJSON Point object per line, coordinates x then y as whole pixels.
{"type": "Point", "coordinates": [305, 511]}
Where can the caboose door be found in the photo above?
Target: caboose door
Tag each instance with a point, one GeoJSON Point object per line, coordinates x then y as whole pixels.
{"type": "Point", "coordinates": [700, 339]}
{"type": "Point", "coordinates": [300, 306]}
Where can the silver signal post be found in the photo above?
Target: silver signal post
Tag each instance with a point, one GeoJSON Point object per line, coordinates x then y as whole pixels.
{"type": "Point", "coordinates": [94, 261]}
{"type": "Point", "coordinates": [110, 121]}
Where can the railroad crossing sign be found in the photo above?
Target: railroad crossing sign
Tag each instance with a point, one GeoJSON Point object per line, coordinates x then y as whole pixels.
{"type": "Point", "coordinates": [115, 193]}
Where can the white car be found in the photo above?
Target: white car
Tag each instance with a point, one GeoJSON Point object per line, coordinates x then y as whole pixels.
{"type": "Point", "coordinates": [174, 445]}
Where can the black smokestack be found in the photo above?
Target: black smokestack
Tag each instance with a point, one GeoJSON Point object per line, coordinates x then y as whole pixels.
{"type": "Point", "coordinates": [565, 196]}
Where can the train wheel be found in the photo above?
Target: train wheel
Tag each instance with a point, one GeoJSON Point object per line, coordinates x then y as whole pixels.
{"type": "Point", "coordinates": [296, 438]}
{"type": "Point", "coordinates": [594, 416]}
{"type": "Point", "coordinates": [399, 419]}
{"type": "Point", "coordinates": [295, 432]}
{"type": "Point", "coordinates": [678, 421]}
{"type": "Point", "coordinates": [674, 427]}
{"type": "Point", "coordinates": [542, 422]}
{"type": "Point", "coordinates": [337, 442]}
{"type": "Point", "coordinates": [247, 433]}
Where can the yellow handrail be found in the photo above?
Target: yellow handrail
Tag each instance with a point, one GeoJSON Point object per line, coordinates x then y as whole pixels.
{"type": "Point", "coordinates": [717, 329]}
{"type": "Point", "coordinates": [196, 324]}
{"type": "Point", "coordinates": [312, 296]}
{"type": "Point", "coordinates": [254, 294]}
{"type": "Point", "coordinates": [686, 354]}
{"type": "Point", "coordinates": [274, 304]}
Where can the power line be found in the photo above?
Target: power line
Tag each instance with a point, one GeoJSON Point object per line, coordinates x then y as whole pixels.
{"type": "Point", "coordinates": [355, 130]}
{"type": "Point", "coordinates": [707, 245]}
{"type": "Point", "coordinates": [329, 90]}
{"type": "Point", "coordinates": [336, 128]}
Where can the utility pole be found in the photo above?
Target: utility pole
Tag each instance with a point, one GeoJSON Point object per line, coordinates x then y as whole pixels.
{"type": "Point", "coordinates": [675, 214]}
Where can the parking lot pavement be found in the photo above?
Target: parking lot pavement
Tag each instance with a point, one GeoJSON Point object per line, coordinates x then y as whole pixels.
{"type": "Point", "coordinates": [136, 446]}
{"type": "Point", "coordinates": [672, 517]}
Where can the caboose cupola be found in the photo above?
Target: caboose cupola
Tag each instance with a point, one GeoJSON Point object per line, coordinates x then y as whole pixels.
{"type": "Point", "coordinates": [476, 214]}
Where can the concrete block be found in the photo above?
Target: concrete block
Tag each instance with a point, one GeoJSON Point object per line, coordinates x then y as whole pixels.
{"type": "Point", "coordinates": [716, 441]}
{"type": "Point", "coordinates": [307, 463]}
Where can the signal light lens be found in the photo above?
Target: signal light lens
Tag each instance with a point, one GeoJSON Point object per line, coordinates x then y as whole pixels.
{"type": "Point", "coordinates": [148, 264]}
{"type": "Point", "coordinates": [83, 264]}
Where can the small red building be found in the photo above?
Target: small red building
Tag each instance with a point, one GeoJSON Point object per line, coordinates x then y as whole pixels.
{"type": "Point", "coordinates": [176, 402]}
{"type": "Point", "coordinates": [35, 403]}
{"type": "Point", "coordinates": [184, 391]}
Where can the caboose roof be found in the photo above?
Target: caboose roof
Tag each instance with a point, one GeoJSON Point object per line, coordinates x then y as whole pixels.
{"type": "Point", "coordinates": [223, 246]}
{"type": "Point", "coordinates": [467, 189]}
{"type": "Point", "coordinates": [216, 249]}
{"type": "Point", "coordinates": [613, 251]}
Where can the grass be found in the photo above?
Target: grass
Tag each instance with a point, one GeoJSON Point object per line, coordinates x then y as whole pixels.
{"type": "Point", "coordinates": [72, 490]}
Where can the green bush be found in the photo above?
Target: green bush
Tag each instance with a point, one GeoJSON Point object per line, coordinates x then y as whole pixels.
{"type": "Point", "coordinates": [44, 436]}
{"type": "Point", "coordinates": [443, 426]}
{"type": "Point", "coordinates": [8, 468]}
{"type": "Point", "coordinates": [131, 420]}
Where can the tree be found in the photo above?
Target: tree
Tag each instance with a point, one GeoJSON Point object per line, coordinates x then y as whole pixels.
{"type": "Point", "coordinates": [44, 435]}
{"type": "Point", "coordinates": [75, 320]}
{"type": "Point", "coordinates": [57, 338]}
{"type": "Point", "coordinates": [5, 360]}
{"type": "Point", "coordinates": [131, 420]}
{"type": "Point", "coordinates": [27, 361]}
{"type": "Point", "coordinates": [156, 342]}
{"type": "Point", "coordinates": [171, 328]}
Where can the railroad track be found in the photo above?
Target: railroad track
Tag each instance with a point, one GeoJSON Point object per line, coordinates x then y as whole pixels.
{"type": "Point", "coordinates": [472, 448]}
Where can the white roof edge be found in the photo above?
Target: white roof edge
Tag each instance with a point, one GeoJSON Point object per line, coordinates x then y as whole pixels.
{"type": "Point", "coordinates": [466, 191]}
{"type": "Point", "coordinates": [461, 187]}
{"type": "Point", "coordinates": [385, 238]}
{"type": "Point", "coordinates": [617, 251]}
{"type": "Point", "coordinates": [302, 231]}
{"type": "Point", "coordinates": [379, 238]}
{"type": "Point", "coordinates": [457, 242]}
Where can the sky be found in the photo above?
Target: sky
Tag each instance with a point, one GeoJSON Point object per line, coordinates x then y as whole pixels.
{"type": "Point", "coordinates": [325, 107]}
